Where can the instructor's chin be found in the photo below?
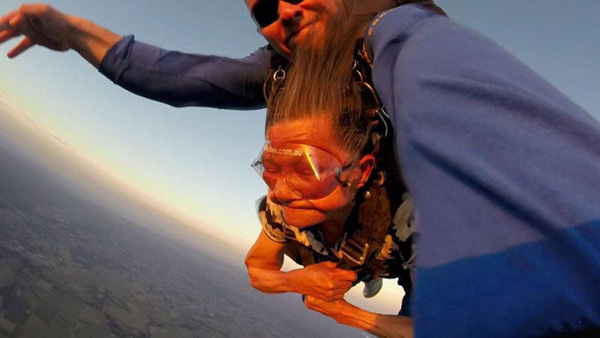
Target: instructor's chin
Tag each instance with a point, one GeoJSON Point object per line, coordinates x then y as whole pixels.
{"type": "Point", "coordinates": [282, 50]}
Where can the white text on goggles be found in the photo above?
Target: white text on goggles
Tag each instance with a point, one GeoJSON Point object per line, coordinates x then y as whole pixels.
{"type": "Point", "coordinates": [309, 172]}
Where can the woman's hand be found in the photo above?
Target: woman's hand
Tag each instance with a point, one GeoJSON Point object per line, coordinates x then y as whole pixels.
{"type": "Point", "coordinates": [40, 24]}
{"type": "Point", "coordinates": [318, 282]}
{"type": "Point", "coordinates": [323, 280]}
{"type": "Point", "coordinates": [330, 309]}
{"type": "Point", "coordinates": [377, 324]}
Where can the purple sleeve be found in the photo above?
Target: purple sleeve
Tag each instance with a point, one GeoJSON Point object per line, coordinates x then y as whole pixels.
{"type": "Point", "coordinates": [181, 79]}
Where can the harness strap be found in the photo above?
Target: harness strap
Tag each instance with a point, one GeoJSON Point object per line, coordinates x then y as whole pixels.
{"type": "Point", "coordinates": [368, 235]}
{"type": "Point", "coordinates": [299, 253]}
{"type": "Point", "coordinates": [365, 241]}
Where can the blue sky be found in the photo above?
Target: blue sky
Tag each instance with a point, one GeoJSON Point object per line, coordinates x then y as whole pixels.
{"type": "Point", "coordinates": [195, 161]}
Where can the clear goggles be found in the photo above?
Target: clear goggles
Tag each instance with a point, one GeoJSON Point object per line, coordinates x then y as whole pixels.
{"type": "Point", "coordinates": [309, 172]}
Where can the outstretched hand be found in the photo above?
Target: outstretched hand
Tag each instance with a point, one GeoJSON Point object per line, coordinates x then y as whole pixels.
{"type": "Point", "coordinates": [324, 281]}
{"type": "Point", "coordinates": [39, 24]}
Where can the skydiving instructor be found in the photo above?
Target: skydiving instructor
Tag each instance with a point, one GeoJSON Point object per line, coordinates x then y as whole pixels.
{"type": "Point", "coordinates": [503, 168]}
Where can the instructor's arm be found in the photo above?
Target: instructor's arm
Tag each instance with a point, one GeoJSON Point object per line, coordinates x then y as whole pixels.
{"type": "Point", "coordinates": [40, 24]}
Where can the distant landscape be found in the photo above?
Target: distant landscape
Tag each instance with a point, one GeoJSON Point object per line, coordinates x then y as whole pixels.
{"type": "Point", "coordinates": [73, 266]}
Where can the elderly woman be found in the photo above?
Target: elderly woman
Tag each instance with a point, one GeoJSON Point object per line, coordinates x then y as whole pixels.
{"type": "Point", "coordinates": [331, 197]}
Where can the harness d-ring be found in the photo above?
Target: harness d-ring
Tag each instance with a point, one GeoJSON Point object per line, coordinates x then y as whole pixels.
{"type": "Point", "coordinates": [279, 74]}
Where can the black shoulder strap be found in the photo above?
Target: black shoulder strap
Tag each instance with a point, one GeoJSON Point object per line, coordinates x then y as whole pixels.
{"type": "Point", "coordinates": [383, 194]}
{"type": "Point", "coordinates": [367, 237]}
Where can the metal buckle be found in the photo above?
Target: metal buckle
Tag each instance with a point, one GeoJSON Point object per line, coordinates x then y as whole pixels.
{"type": "Point", "coordinates": [279, 74]}
{"type": "Point", "coordinates": [352, 251]}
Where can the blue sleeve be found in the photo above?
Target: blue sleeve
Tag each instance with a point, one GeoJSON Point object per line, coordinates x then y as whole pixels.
{"type": "Point", "coordinates": [181, 79]}
{"type": "Point", "coordinates": [505, 173]}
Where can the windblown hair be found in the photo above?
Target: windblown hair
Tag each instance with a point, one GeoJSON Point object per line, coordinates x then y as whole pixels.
{"type": "Point", "coordinates": [318, 84]}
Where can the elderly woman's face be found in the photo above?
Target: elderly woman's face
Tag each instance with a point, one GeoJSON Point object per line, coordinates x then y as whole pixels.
{"type": "Point", "coordinates": [306, 169]}
{"type": "Point", "coordinates": [286, 24]}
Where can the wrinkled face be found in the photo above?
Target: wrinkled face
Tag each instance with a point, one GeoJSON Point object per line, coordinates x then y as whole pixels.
{"type": "Point", "coordinates": [294, 20]}
{"type": "Point", "coordinates": [283, 173]}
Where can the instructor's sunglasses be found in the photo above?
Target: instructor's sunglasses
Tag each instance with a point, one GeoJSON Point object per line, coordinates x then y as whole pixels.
{"type": "Point", "coordinates": [265, 12]}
